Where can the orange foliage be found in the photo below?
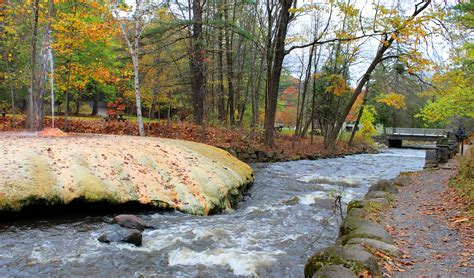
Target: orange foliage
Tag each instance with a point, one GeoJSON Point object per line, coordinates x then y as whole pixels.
{"type": "Point", "coordinates": [352, 116]}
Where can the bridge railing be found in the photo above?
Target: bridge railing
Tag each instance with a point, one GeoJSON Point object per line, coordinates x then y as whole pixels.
{"type": "Point", "coordinates": [417, 131]}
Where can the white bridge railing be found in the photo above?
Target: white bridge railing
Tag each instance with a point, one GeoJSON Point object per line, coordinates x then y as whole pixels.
{"type": "Point", "coordinates": [416, 131]}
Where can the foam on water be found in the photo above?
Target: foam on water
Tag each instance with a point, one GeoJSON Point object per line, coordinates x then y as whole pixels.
{"type": "Point", "coordinates": [241, 262]}
{"type": "Point", "coordinates": [312, 197]}
{"type": "Point", "coordinates": [341, 180]}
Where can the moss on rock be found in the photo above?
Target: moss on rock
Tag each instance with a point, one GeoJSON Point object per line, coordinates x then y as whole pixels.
{"type": "Point", "coordinates": [334, 271]}
{"type": "Point", "coordinates": [353, 257]}
{"type": "Point", "coordinates": [377, 194]}
{"type": "Point", "coordinates": [384, 185]}
{"type": "Point", "coordinates": [370, 244]}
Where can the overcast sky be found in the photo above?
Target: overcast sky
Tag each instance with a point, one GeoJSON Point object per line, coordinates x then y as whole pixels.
{"type": "Point", "coordinates": [302, 25]}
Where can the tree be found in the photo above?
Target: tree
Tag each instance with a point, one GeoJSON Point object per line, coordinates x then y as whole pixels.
{"type": "Point", "coordinates": [275, 66]}
{"type": "Point", "coordinates": [40, 47]}
{"type": "Point", "coordinates": [197, 55]}
{"type": "Point", "coordinates": [404, 28]}
{"type": "Point", "coordinates": [84, 39]}
{"type": "Point", "coordinates": [132, 26]}
{"type": "Point", "coordinates": [452, 96]}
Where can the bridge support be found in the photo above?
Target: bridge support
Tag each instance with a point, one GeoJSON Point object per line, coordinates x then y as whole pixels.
{"type": "Point", "coordinates": [392, 143]}
{"type": "Point", "coordinates": [446, 148]}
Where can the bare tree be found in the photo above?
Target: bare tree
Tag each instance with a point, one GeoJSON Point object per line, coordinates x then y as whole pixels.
{"type": "Point", "coordinates": [132, 27]}
{"type": "Point", "coordinates": [35, 113]}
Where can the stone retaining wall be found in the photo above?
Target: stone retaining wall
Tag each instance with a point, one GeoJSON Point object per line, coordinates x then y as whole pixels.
{"type": "Point", "coordinates": [360, 236]}
{"type": "Point", "coordinates": [445, 149]}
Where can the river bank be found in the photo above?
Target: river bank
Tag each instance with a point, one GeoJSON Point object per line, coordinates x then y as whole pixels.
{"type": "Point", "coordinates": [419, 224]}
{"type": "Point", "coordinates": [243, 143]}
{"type": "Point", "coordinates": [284, 217]}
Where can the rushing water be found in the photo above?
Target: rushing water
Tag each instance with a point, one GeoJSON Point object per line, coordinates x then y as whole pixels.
{"type": "Point", "coordinates": [271, 233]}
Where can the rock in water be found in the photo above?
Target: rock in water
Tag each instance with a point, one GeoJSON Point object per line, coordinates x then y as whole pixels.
{"type": "Point", "coordinates": [130, 221]}
{"type": "Point", "coordinates": [131, 236]}
{"type": "Point", "coordinates": [170, 174]}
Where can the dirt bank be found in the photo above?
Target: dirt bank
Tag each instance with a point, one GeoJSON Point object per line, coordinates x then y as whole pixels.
{"type": "Point", "coordinates": [242, 143]}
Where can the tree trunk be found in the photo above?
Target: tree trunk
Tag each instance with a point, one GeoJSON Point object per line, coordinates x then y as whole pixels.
{"type": "Point", "coordinates": [359, 116]}
{"type": "Point", "coordinates": [275, 73]}
{"type": "Point", "coordinates": [95, 105]}
{"type": "Point", "coordinates": [138, 101]}
{"type": "Point", "coordinates": [256, 96]}
{"type": "Point", "coordinates": [66, 112]}
{"type": "Point", "coordinates": [299, 119]}
{"type": "Point", "coordinates": [220, 69]}
{"type": "Point", "coordinates": [197, 65]}
{"type": "Point", "coordinates": [10, 83]}
{"type": "Point", "coordinates": [334, 132]}
{"type": "Point", "coordinates": [230, 71]}
{"type": "Point", "coordinates": [78, 107]}
{"type": "Point", "coordinates": [34, 116]}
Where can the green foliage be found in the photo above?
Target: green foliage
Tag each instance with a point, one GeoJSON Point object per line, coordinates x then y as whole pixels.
{"type": "Point", "coordinates": [391, 89]}
{"type": "Point", "coordinates": [367, 121]}
{"type": "Point", "coordinates": [453, 94]}
{"type": "Point", "coordinates": [453, 97]}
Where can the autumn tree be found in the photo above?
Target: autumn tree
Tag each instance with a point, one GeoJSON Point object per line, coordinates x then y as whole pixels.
{"type": "Point", "coordinates": [403, 29]}
{"type": "Point", "coordinates": [451, 98]}
{"type": "Point", "coordinates": [132, 26]}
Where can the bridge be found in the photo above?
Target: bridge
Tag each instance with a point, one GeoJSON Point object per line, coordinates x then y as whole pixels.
{"type": "Point", "coordinates": [396, 135]}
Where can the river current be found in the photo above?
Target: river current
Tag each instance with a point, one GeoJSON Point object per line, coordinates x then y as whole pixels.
{"type": "Point", "coordinates": [286, 216]}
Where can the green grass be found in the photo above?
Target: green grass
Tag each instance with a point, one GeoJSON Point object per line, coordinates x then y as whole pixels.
{"type": "Point", "coordinates": [287, 131]}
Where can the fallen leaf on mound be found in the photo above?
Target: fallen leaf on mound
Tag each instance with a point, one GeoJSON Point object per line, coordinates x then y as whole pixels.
{"type": "Point", "coordinates": [388, 267]}
{"type": "Point", "coordinates": [461, 220]}
{"type": "Point", "coordinates": [51, 132]}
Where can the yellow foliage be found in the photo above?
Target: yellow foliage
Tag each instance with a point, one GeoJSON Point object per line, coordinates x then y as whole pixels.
{"type": "Point", "coordinates": [339, 85]}
{"type": "Point", "coordinates": [394, 100]}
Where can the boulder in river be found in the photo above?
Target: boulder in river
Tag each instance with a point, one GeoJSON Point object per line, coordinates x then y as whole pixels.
{"type": "Point", "coordinates": [130, 221]}
{"type": "Point", "coordinates": [131, 236]}
{"type": "Point", "coordinates": [375, 244]}
{"type": "Point", "coordinates": [352, 223]}
{"type": "Point", "coordinates": [334, 271]}
{"type": "Point", "coordinates": [403, 181]}
{"type": "Point", "coordinates": [377, 195]}
{"type": "Point", "coordinates": [384, 185]}
{"type": "Point", "coordinates": [354, 258]}
{"type": "Point", "coordinates": [168, 174]}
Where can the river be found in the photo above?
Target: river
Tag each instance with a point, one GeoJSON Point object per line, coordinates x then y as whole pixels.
{"type": "Point", "coordinates": [270, 234]}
